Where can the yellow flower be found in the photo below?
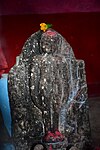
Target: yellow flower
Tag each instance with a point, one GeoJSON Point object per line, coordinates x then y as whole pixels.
{"type": "Point", "coordinates": [43, 26]}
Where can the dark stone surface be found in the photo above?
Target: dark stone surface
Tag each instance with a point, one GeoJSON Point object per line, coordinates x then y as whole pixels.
{"type": "Point", "coordinates": [94, 104]}
{"type": "Point", "coordinates": [48, 91]}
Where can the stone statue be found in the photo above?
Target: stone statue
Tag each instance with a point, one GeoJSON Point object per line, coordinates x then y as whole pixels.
{"type": "Point", "coordinates": [48, 95]}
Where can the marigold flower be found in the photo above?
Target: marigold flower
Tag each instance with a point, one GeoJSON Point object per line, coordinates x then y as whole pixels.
{"type": "Point", "coordinates": [43, 26]}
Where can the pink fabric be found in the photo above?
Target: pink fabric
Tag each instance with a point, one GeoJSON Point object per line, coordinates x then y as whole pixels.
{"type": "Point", "coordinates": [50, 33]}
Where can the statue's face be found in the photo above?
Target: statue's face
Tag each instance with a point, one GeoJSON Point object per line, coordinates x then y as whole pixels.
{"type": "Point", "coordinates": [49, 42]}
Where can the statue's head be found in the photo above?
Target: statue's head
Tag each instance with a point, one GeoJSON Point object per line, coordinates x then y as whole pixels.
{"type": "Point", "coordinates": [54, 43]}
{"type": "Point", "coordinates": [46, 41]}
{"type": "Point", "coordinates": [49, 41]}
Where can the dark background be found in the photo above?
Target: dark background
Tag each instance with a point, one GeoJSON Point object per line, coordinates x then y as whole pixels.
{"type": "Point", "coordinates": [78, 21]}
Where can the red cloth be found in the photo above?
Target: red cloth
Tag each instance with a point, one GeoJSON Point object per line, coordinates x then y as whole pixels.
{"type": "Point", "coordinates": [3, 62]}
